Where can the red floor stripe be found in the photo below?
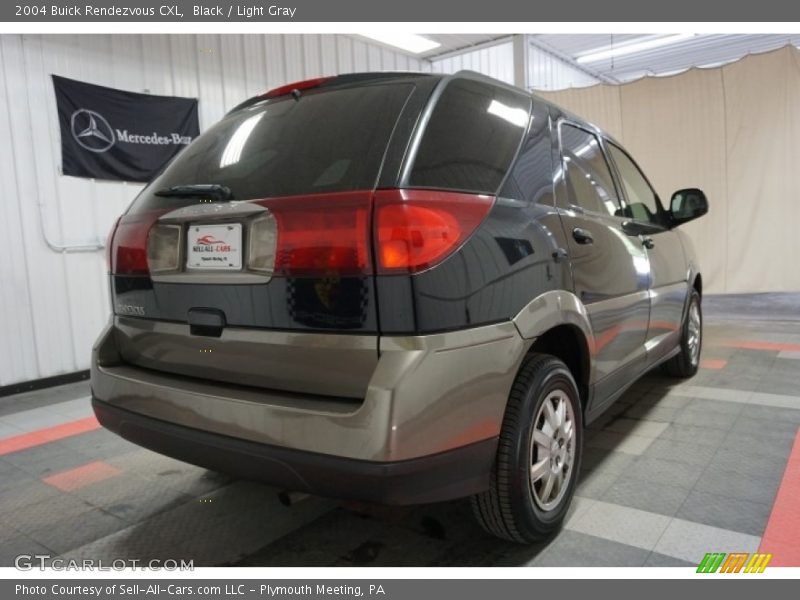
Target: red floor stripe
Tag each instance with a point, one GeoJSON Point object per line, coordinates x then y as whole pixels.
{"type": "Point", "coordinates": [49, 434]}
{"type": "Point", "coordinates": [713, 363]}
{"type": "Point", "coordinates": [782, 536]}
{"type": "Point", "coordinates": [66, 481]}
{"type": "Point", "coordinates": [756, 345]}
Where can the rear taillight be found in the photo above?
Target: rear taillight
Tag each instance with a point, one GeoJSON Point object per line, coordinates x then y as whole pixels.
{"type": "Point", "coordinates": [416, 229]}
{"type": "Point", "coordinates": [129, 243]}
{"type": "Point", "coordinates": [322, 235]}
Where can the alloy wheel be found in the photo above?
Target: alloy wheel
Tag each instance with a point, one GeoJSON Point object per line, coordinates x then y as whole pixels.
{"type": "Point", "coordinates": [694, 333]}
{"type": "Point", "coordinates": [552, 450]}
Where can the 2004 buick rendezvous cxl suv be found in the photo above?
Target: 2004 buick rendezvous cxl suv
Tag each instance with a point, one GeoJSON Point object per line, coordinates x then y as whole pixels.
{"type": "Point", "coordinates": [397, 288]}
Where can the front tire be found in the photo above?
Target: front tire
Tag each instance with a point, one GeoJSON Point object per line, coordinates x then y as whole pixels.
{"type": "Point", "coordinates": [687, 361]}
{"type": "Point", "coordinates": [538, 455]}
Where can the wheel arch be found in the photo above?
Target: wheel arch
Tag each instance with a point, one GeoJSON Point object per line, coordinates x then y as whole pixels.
{"type": "Point", "coordinates": [559, 325]}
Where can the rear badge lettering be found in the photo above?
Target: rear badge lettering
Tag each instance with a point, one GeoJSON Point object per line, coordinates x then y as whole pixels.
{"type": "Point", "coordinates": [130, 309]}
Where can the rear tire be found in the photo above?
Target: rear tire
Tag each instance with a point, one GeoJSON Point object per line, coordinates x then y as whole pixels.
{"type": "Point", "coordinates": [687, 361]}
{"type": "Point", "coordinates": [538, 454]}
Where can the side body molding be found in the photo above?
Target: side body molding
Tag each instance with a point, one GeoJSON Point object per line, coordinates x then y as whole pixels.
{"type": "Point", "coordinates": [554, 308]}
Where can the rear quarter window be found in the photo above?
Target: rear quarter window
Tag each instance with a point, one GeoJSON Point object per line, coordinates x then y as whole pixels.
{"type": "Point", "coordinates": [471, 138]}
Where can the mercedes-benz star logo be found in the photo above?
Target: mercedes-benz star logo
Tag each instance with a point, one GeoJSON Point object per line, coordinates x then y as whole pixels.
{"type": "Point", "coordinates": [91, 130]}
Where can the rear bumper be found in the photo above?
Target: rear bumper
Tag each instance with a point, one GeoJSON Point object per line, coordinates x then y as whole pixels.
{"type": "Point", "coordinates": [425, 429]}
{"type": "Point", "coordinates": [452, 474]}
{"type": "Point", "coordinates": [425, 395]}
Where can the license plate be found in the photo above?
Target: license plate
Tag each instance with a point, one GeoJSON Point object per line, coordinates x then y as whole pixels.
{"type": "Point", "coordinates": [217, 247]}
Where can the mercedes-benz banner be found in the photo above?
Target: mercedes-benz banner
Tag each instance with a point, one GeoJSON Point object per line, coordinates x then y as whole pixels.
{"type": "Point", "coordinates": [112, 134]}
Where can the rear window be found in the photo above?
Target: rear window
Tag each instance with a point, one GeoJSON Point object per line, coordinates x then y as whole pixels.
{"type": "Point", "coordinates": [472, 137]}
{"type": "Point", "coordinates": [327, 141]}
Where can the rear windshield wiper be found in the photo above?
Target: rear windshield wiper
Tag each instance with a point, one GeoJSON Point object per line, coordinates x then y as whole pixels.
{"type": "Point", "coordinates": [198, 190]}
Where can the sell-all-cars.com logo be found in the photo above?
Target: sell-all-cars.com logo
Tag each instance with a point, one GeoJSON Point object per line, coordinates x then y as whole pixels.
{"type": "Point", "coordinates": [91, 130]}
{"type": "Point", "coordinates": [735, 562]}
{"type": "Point", "coordinates": [208, 240]}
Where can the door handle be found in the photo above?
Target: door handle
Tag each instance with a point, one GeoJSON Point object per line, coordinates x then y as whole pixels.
{"type": "Point", "coordinates": [582, 236]}
{"type": "Point", "coordinates": [648, 242]}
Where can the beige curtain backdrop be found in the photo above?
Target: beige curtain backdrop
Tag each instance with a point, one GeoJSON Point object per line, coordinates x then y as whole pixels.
{"type": "Point", "coordinates": [732, 131]}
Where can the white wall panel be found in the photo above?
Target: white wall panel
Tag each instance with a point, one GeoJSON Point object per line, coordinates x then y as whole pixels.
{"type": "Point", "coordinates": [53, 304]}
{"type": "Point", "coordinates": [547, 72]}
{"type": "Point", "coordinates": [495, 61]}
{"type": "Point", "coordinates": [312, 57]}
{"type": "Point", "coordinates": [327, 48]}
{"type": "Point", "coordinates": [18, 350]}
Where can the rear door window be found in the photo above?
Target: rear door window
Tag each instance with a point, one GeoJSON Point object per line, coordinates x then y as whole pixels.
{"type": "Point", "coordinates": [326, 141]}
{"type": "Point", "coordinates": [589, 179]}
{"type": "Point", "coordinates": [472, 137]}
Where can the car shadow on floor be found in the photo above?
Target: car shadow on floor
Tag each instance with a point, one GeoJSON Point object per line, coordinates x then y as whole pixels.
{"type": "Point", "coordinates": [442, 534]}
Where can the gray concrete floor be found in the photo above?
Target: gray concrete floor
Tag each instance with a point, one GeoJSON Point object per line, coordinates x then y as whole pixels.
{"type": "Point", "coordinates": [674, 470]}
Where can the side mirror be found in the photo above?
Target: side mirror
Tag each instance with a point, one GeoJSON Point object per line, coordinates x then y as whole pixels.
{"type": "Point", "coordinates": [686, 205]}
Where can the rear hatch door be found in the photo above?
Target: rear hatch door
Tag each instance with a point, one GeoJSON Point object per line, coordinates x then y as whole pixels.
{"type": "Point", "coordinates": [259, 231]}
